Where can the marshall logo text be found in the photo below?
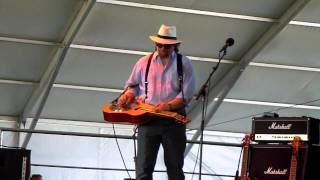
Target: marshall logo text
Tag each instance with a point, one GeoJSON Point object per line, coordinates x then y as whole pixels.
{"type": "Point", "coordinates": [273, 171]}
{"type": "Point", "coordinates": [275, 125]}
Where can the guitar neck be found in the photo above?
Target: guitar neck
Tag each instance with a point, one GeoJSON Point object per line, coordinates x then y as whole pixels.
{"type": "Point", "coordinates": [171, 115]}
{"type": "Point", "coordinates": [244, 161]}
{"type": "Point", "coordinates": [165, 114]}
{"type": "Point", "coordinates": [246, 144]}
{"type": "Point", "coordinates": [293, 166]}
{"type": "Point", "coordinates": [294, 158]}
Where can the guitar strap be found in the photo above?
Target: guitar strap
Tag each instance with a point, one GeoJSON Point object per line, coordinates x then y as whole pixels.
{"type": "Point", "coordinates": [179, 70]}
{"type": "Point", "coordinates": [146, 76]}
{"type": "Point", "coordinates": [180, 74]}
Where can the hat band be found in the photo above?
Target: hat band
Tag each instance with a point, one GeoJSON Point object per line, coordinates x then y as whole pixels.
{"type": "Point", "coordinates": [166, 37]}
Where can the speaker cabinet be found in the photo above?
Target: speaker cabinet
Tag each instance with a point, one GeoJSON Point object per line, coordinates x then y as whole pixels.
{"type": "Point", "coordinates": [14, 164]}
{"type": "Point", "coordinates": [272, 161]}
{"type": "Point", "coordinates": [313, 164]}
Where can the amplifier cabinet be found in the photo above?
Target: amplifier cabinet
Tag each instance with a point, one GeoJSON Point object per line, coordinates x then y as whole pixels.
{"type": "Point", "coordinates": [14, 164]}
{"type": "Point", "coordinates": [273, 161]}
{"type": "Point", "coordinates": [313, 164]}
{"type": "Point", "coordinates": [283, 129]}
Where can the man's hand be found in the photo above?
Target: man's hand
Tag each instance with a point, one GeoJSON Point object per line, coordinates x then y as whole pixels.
{"type": "Point", "coordinates": [172, 105]}
{"type": "Point", "coordinates": [162, 107]}
{"type": "Point", "coordinates": [125, 98]}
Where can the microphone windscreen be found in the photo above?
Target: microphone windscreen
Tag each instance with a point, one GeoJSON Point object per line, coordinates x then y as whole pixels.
{"type": "Point", "coordinates": [230, 41]}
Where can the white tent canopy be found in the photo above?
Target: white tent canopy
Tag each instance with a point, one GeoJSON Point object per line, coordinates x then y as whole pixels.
{"type": "Point", "coordinates": [62, 60]}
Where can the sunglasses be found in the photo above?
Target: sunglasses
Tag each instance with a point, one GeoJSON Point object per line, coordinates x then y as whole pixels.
{"type": "Point", "coordinates": [166, 46]}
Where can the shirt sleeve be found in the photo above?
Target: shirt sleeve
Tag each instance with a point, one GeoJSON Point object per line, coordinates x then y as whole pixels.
{"type": "Point", "coordinates": [189, 80]}
{"type": "Point", "coordinates": [134, 79]}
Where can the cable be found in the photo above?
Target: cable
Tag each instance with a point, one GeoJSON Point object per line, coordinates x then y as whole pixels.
{"type": "Point", "coordinates": [195, 164]}
{"type": "Point", "coordinates": [237, 172]}
{"type": "Point", "coordinates": [114, 132]}
{"type": "Point", "coordinates": [261, 113]}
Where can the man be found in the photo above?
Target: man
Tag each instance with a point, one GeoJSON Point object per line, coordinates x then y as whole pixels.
{"type": "Point", "coordinates": [36, 177]}
{"type": "Point", "coordinates": [160, 85]}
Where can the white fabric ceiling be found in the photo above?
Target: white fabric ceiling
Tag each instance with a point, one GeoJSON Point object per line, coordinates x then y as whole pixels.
{"type": "Point", "coordinates": [111, 35]}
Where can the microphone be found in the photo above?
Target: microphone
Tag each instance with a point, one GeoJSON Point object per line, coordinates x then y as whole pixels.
{"type": "Point", "coordinates": [229, 42]}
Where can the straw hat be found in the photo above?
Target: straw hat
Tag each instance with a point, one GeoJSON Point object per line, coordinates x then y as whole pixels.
{"type": "Point", "coordinates": [166, 35]}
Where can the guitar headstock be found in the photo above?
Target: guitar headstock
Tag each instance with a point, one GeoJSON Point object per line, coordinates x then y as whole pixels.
{"type": "Point", "coordinates": [296, 143]}
{"type": "Point", "coordinates": [247, 139]}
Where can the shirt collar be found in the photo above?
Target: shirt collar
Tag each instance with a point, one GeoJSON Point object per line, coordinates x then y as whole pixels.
{"type": "Point", "coordinates": [156, 56]}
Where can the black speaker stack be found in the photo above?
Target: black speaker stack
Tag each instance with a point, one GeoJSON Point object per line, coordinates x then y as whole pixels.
{"type": "Point", "coordinates": [14, 164]}
{"type": "Point", "coordinates": [270, 153]}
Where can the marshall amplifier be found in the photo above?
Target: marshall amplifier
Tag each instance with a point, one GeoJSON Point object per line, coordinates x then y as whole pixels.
{"type": "Point", "coordinates": [273, 162]}
{"type": "Point", "coordinates": [283, 129]}
{"type": "Point", "coordinates": [14, 164]}
{"type": "Point", "coordinates": [313, 164]}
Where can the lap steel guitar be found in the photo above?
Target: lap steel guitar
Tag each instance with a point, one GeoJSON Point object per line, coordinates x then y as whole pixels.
{"type": "Point", "coordinates": [138, 113]}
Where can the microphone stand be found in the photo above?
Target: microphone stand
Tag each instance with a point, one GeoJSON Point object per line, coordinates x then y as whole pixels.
{"type": "Point", "coordinates": [203, 92]}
